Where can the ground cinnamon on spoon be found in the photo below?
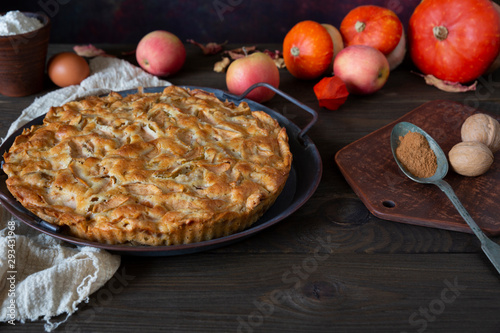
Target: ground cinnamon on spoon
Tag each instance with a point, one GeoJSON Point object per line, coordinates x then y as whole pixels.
{"type": "Point", "coordinates": [416, 155]}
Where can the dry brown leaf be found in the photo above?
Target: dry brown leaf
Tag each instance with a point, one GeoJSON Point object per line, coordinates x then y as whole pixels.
{"type": "Point", "coordinates": [273, 54]}
{"type": "Point", "coordinates": [280, 62]}
{"type": "Point", "coordinates": [240, 52]}
{"type": "Point", "coordinates": [221, 66]}
{"type": "Point", "coordinates": [89, 51]}
{"type": "Point", "coordinates": [447, 86]}
{"type": "Point", "coordinates": [277, 57]}
{"type": "Point", "coordinates": [209, 48]}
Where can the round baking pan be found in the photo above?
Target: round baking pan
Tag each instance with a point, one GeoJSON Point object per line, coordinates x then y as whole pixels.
{"type": "Point", "coordinates": [304, 178]}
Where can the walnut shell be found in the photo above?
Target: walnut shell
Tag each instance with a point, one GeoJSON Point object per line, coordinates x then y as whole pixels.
{"type": "Point", "coordinates": [482, 128]}
{"type": "Point", "coordinates": [470, 158]}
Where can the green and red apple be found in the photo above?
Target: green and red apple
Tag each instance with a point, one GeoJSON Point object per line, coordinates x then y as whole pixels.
{"type": "Point", "coordinates": [254, 68]}
{"type": "Point", "coordinates": [363, 69]}
{"type": "Point", "coordinates": [161, 53]}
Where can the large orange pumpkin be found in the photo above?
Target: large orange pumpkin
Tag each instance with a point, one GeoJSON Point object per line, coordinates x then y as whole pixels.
{"type": "Point", "coordinates": [454, 40]}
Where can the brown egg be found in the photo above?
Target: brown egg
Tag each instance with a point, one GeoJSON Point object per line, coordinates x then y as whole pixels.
{"type": "Point", "coordinates": [67, 68]}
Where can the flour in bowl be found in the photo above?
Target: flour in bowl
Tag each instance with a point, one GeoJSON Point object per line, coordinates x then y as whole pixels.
{"type": "Point", "coordinates": [15, 22]}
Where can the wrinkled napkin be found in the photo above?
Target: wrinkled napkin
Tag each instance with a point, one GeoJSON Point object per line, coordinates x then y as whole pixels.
{"type": "Point", "coordinates": [42, 277]}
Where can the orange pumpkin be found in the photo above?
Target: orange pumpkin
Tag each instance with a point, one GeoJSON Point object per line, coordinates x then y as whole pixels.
{"type": "Point", "coordinates": [454, 40]}
{"type": "Point", "coordinates": [373, 26]}
{"type": "Point", "coordinates": [307, 50]}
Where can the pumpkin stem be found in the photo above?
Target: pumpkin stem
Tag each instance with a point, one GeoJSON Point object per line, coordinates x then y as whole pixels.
{"type": "Point", "coordinates": [440, 32]}
{"type": "Point", "coordinates": [244, 51]}
{"type": "Point", "coordinates": [295, 51]}
{"type": "Point", "coordinates": [359, 26]}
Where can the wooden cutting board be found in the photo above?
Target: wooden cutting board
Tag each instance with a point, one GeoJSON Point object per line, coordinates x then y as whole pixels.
{"type": "Point", "coordinates": [369, 167]}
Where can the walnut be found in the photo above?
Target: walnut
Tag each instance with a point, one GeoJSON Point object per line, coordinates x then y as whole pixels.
{"type": "Point", "coordinates": [482, 128]}
{"type": "Point", "coordinates": [470, 158]}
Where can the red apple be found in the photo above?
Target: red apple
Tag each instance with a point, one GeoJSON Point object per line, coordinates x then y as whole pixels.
{"type": "Point", "coordinates": [161, 53]}
{"type": "Point", "coordinates": [251, 69]}
{"type": "Point", "coordinates": [364, 69]}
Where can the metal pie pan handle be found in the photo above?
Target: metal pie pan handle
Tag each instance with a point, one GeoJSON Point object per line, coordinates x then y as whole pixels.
{"type": "Point", "coordinates": [314, 114]}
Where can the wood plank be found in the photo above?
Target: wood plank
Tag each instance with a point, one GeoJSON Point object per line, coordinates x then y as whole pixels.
{"type": "Point", "coordinates": [295, 293]}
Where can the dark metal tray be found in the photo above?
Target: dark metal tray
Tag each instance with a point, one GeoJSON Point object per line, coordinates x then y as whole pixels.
{"type": "Point", "coordinates": [304, 178]}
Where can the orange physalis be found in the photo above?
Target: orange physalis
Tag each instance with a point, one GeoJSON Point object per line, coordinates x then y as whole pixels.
{"type": "Point", "coordinates": [331, 92]}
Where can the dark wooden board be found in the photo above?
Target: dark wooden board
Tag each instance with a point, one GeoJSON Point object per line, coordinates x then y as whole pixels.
{"type": "Point", "coordinates": [369, 167]}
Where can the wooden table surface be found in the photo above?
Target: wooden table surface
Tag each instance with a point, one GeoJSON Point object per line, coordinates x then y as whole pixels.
{"type": "Point", "coordinates": [329, 267]}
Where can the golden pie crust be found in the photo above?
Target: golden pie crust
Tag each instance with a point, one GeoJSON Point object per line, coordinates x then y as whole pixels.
{"type": "Point", "coordinates": [168, 168]}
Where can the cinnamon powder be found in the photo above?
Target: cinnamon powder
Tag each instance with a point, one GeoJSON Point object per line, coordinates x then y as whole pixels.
{"type": "Point", "coordinates": [416, 155]}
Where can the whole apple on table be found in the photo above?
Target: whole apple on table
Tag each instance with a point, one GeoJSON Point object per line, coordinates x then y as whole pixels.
{"type": "Point", "coordinates": [363, 69]}
{"type": "Point", "coordinates": [254, 68]}
{"type": "Point", "coordinates": [161, 53]}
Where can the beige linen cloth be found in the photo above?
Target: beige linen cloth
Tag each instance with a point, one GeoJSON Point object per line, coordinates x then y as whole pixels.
{"type": "Point", "coordinates": [42, 277]}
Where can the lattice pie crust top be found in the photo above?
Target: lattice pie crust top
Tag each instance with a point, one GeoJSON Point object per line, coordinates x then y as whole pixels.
{"type": "Point", "coordinates": [166, 168]}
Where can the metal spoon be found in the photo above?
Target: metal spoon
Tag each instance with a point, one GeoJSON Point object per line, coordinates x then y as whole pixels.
{"type": "Point", "coordinates": [490, 248]}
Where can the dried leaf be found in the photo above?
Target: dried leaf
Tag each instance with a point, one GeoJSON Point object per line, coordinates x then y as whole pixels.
{"type": "Point", "coordinates": [280, 63]}
{"type": "Point", "coordinates": [331, 92]}
{"type": "Point", "coordinates": [89, 51]}
{"type": "Point", "coordinates": [210, 48]}
{"type": "Point", "coordinates": [273, 54]}
{"type": "Point", "coordinates": [240, 52]}
{"type": "Point", "coordinates": [277, 57]}
{"type": "Point", "coordinates": [127, 53]}
{"type": "Point", "coordinates": [447, 86]}
{"type": "Point", "coordinates": [220, 66]}
{"type": "Point", "coordinates": [242, 49]}
{"type": "Point", "coordinates": [235, 55]}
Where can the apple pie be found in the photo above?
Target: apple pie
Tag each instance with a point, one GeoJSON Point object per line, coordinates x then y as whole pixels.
{"type": "Point", "coordinates": [167, 168]}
